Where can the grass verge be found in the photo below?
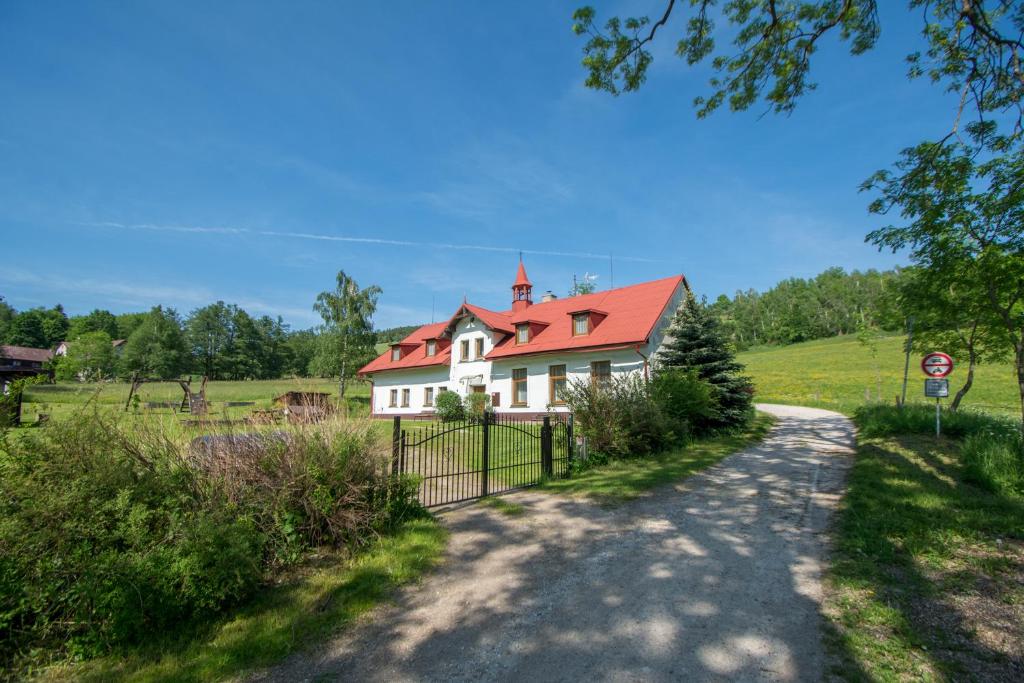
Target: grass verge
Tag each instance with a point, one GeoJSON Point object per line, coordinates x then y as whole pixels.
{"type": "Point", "coordinates": [324, 596]}
{"type": "Point", "coordinates": [624, 480]}
{"type": "Point", "coordinates": [927, 575]}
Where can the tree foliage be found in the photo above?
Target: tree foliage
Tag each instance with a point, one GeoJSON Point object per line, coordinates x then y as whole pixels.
{"type": "Point", "coordinates": [694, 341]}
{"type": "Point", "coordinates": [90, 358]}
{"type": "Point", "coordinates": [831, 304]}
{"type": "Point", "coordinates": [347, 339]}
{"type": "Point", "coordinates": [157, 347]}
{"type": "Point", "coordinates": [963, 213]}
{"type": "Point", "coordinates": [973, 48]}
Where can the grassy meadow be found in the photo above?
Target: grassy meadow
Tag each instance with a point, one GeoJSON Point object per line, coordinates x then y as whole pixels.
{"type": "Point", "coordinates": [60, 399]}
{"type": "Point", "coordinates": [842, 373]}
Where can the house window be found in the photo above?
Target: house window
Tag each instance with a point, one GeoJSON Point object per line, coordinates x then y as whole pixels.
{"type": "Point", "coordinates": [431, 347]}
{"type": "Point", "coordinates": [479, 347]}
{"type": "Point", "coordinates": [405, 398]}
{"type": "Point", "coordinates": [428, 396]}
{"type": "Point", "coordinates": [580, 324]}
{"type": "Point", "coordinates": [519, 397]}
{"type": "Point", "coordinates": [522, 333]}
{"type": "Point", "coordinates": [393, 403]}
{"type": "Point", "coordinates": [601, 372]}
{"type": "Point", "coordinates": [556, 384]}
{"type": "Point", "coordinates": [396, 353]}
{"type": "Point", "coordinates": [465, 349]}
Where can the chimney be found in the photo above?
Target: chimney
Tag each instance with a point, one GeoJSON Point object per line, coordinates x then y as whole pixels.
{"type": "Point", "coordinates": [548, 296]}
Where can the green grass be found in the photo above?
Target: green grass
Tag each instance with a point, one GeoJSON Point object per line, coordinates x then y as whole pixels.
{"type": "Point", "coordinates": [842, 373]}
{"type": "Point", "coordinates": [310, 606]}
{"type": "Point", "coordinates": [62, 398]}
{"type": "Point", "coordinates": [912, 539]}
{"type": "Point", "coordinates": [624, 480]}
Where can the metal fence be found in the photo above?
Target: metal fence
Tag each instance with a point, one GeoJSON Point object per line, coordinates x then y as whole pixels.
{"type": "Point", "coordinates": [462, 460]}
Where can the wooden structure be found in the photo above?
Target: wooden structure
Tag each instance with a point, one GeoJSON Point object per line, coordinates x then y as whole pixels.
{"type": "Point", "coordinates": [305, 406]}
{"type": "Point", "coordinates": [191, 402]}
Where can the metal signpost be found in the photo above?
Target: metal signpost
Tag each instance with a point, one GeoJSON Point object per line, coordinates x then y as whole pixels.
{"type": "Point", "coordinates": [937, 367]}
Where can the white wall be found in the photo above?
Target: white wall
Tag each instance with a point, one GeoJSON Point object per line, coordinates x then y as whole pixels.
{"type": "Point", "coordinates": [577, 366]}
{"type": "Point", "coordinates": [413, 379]}
{"type": "Point", "coordinates": [472, 371]}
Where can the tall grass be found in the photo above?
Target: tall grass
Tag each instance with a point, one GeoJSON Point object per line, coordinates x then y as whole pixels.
{"type": "Point", "coordinates": [115, 531]}
{"type": "Point", "coordinates": [991, 448]}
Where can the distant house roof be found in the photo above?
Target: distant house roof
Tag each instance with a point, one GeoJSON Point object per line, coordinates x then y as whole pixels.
{"type": "Point", "coordinates": [25, 353]}
{"type": "Point", "coordinates": [627, 316]}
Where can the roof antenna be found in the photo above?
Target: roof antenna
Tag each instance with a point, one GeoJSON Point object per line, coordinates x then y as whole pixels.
{"type": "Point", "coordinates": [611, 272]}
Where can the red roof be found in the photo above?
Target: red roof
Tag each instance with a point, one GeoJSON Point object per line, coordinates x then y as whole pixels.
{"type": "Point", "coordinates": [416, 357]}
{"type": "Point", "coordinates": [521, 278]}
{"type": "Point", "coordinates": [25, 353]}
{"type": "Point", "coordinates": [630, 314]}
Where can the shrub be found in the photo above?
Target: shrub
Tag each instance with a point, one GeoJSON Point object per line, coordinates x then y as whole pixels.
{"type": "Point", "coordinates": [448, 407]}
{"type": "Point", "coordinates": [620, 419]}
{"type": "Point", "coordinates": [688, 401]}
{"type": "Point", "coordinates": [474, 405]}
{"type": "Point", "coordinates": [112, 534]}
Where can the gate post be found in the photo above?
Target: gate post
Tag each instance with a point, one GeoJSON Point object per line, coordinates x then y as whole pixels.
{"type": "Point", "coordinates": [396, 432]}
{"type": "Point", "coordinates": [486, 455]}
{"type": "Point", "coordinates": [571, 445]}
{"type": "Point", "coordinates": [546, 465]}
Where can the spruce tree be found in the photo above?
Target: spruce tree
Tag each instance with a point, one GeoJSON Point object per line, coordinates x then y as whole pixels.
{"type": "Point", "coordinates": [695, 341]}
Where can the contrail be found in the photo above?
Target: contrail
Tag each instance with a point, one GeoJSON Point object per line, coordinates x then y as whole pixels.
{"type": "Point", "coordinates": [364, 240]}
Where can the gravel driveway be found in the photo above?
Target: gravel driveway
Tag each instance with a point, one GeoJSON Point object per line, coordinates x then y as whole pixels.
{"type": "Point", "coordinates": [716, 578]}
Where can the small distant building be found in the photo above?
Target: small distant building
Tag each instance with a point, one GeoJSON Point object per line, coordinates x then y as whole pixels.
{"type": "Point", "coordinates": [62, 348]}
{"type": "Point", "coordinates": [17, 362]}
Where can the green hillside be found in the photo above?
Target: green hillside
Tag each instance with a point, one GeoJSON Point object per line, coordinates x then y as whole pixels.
{"type": "Point", "coordinates": [841, 372]}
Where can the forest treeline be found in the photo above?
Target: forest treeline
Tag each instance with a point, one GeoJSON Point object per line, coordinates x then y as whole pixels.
{"type": "Point", "coordinates": [222, 341]}
{"type": "Point", "coordinates": [833, 303]}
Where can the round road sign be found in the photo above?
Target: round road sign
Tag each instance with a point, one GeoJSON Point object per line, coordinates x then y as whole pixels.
{"type": "Point", "coordinates": [937, 364]}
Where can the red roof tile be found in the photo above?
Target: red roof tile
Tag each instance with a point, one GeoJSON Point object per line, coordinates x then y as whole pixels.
{"type": "Point", "coordinates": [417, 357]}
{"type": "Point", "coordinates": [629, 316]}
{"type": "Point", "coordinates": [521, 278]}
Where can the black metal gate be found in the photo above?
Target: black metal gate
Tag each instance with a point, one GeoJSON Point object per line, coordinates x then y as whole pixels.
{"type": "Point", "coordinates": [467, 459]}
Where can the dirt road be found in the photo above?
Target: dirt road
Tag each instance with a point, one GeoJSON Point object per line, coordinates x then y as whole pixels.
{"type": "Point", "coordinates": [716, 578]}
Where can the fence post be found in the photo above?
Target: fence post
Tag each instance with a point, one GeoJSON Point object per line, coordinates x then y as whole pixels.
{"type": "Point", "coordinates": [401, 465]}
{"type": "Point", "coordinates": [486, 455]}
{"type": "Point", "coordinates": [546, 465]}
{"type": "Point", "coordinates": [571, 446]}
{"type": "Point", "coordinates": [396, 432]}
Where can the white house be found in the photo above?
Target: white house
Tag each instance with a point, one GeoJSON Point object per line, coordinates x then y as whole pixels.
{"type": "Point", "coordinates": [524, 356]}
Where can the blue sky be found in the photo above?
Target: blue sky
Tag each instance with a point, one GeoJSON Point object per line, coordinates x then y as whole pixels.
{"type": "Point", "coordinates": [180, 153]}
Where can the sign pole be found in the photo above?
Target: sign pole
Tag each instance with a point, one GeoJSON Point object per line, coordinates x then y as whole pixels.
{"type": "Point", "coordinates": [938, 417]}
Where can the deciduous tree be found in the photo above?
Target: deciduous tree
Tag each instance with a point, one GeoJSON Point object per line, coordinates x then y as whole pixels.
{"type": "Point", "coordinates": [346, 340]}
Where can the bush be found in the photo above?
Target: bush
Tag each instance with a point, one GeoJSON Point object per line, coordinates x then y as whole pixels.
{"type": "Point", "coordinates": [448, 407]}
{"type": "Point", "coordinates": [113, 534]}
{"type": "Point", "coordinates": [474, 405]}
{"type": "Point", "coordinates": [688, 401]}
{"type": "Point", "coordinates": [622, 418]}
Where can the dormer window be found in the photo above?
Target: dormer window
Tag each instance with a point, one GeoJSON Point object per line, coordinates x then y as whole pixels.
{"type": "Point", "coordinates": [396, 353]}
{"type": "Point", "coordinates": [580, 324]}
{"type": "Point", "coordinates": [522, 333]}
{"type": "Point", "coordinates": [431, 347]}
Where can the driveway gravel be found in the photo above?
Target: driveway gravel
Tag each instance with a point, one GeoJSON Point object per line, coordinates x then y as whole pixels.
{"type": "Point", "coordinates": [715, 578]}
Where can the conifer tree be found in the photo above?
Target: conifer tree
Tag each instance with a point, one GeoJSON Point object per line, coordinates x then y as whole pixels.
{"type": "Point", "coordinates": [695, 341]}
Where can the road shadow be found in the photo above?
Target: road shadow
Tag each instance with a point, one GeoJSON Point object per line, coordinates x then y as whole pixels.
{"type": "Point", "coordinates": [716, 578]}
